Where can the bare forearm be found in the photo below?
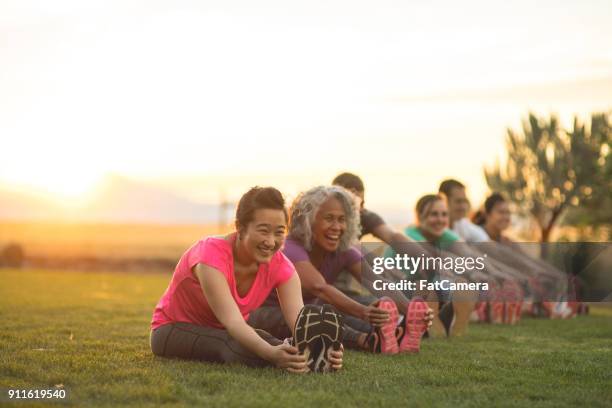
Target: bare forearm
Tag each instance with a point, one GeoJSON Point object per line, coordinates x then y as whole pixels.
{"type": "Point", "coordinates": [248, 337]}
{"type": "Point", "coordinates": [290, 298]}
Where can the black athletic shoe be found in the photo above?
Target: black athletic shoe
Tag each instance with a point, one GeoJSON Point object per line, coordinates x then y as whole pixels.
{"type": "Point", "coordinates": [447, 314]}
{"type": "Point", "coordinates": [317, 329]}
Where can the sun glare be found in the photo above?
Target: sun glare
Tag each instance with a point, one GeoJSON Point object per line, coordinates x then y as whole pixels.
{"type": "Point", "coordinates": [65, 185]}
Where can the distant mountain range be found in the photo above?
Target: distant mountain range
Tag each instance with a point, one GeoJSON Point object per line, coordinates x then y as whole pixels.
{"type": "Point", "coordinates": [121, 200]}
{"type": "Point", "coordinates": [117, 200]}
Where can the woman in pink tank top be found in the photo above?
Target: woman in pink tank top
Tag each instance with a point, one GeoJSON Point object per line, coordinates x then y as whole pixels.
{"type": "Point", "coordinates": [220, 280]}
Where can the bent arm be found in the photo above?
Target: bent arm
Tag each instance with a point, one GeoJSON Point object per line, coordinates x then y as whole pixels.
{"type": "Point", "coordinates": [219, 298]}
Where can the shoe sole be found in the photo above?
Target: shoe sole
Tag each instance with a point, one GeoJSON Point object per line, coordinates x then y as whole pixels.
{"type": "Point", "coordinates": [481, 311]}
{"type": "Point", "coordinates": [513, 304]}
{"type": "Point", "coordinates": [497, 312]}
{"type": "Point", "coordinates": [317, 329]}
{"type": "Point", "coordinates": [386, 333]}
{"type": "Point", "coordinates": [332, 333]}
{"type": "Point", "coordinates": [304, 332]}
{"type": "Point", "coordinates": [415, 326]}
{"type": "Point", "coordinates": [496, 306]}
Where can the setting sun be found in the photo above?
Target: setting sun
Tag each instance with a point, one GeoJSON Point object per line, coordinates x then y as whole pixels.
{"type": "Point", "coordinates": [63, 184]}
{"type": "Point", "coordinates": [286, 96]}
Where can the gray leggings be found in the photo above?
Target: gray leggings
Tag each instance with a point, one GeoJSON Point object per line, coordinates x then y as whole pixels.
{"type": "Point", "coordinates": [190, 341]}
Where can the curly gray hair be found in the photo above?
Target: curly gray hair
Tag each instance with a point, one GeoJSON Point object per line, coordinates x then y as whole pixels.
{"type": "Point", "coordinates": [306, 206]}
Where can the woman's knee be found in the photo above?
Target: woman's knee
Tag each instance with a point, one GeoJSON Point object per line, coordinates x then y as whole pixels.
{"type": "Point", "coordinates": [158, 340]}
{"type": "Point", "coordinates": [271, 320]}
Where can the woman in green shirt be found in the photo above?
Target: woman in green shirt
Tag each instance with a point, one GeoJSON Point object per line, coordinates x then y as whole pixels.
{"type": "Point", "coordinates": [433, 222]}
{"type": "Point", "coordinates": [432, 227]}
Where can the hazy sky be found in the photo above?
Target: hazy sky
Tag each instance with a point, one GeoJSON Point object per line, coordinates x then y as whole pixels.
{"type": "Point", "coordinates": [205, 97]}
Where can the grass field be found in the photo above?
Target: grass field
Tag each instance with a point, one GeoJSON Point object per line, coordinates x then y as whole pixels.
{"type": "Point", "coordinates": [89, 332]}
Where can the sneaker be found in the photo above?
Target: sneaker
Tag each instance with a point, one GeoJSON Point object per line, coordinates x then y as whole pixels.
{"type": "Point", "coordinates": [317, 329]}
{"type": "Point", "coordinates": [557, 310]}
{"type": "Point", "coordinates": [447, 315]}
{"type": "Point", "coordinates": [481, 312]}
{"type": "Point", "coordinates": [414, 326]}
{"type": "Point", "coordinates": [382, 339]}
{"type": "Point", "coordinates": [563, 310]}
{"type": "Point", "coordinates": [513, 296]}
{"type": "Point", "coordinates": [496, 305]}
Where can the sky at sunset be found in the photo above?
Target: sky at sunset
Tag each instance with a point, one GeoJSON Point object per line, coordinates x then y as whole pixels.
{"type": "Point", "coordinates": [206, 99]}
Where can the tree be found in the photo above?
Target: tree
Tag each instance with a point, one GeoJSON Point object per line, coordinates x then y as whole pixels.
{"type": "Point", "coordinates": [596, 210]}
{"type": "Point", "coordinates": [550, 170]}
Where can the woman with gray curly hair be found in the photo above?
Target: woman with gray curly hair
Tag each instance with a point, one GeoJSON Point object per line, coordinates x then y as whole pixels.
{"type": "Point", "coordinates": [306, 206]}
{"type": "Point", "coordinates": [323, 231]}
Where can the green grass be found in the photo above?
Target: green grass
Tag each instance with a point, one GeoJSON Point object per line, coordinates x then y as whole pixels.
{"type": "Point", "coordinates": [89, 332]}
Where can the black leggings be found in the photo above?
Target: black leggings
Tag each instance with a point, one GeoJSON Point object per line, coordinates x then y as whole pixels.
{"type": "Point", "coordinates": [190, 341]}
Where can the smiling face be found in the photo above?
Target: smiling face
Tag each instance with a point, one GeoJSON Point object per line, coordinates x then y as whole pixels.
{"type": "Point", "coordinates": [458, 204]}
{"type": "Point", "coordinates": [329, 225]}
{"type": "Point", "coordinates": [264, 235]}
{"type": "Point", "coordinates": [434, 219]}
{"type": "Point", "coordinates": [499, 217]}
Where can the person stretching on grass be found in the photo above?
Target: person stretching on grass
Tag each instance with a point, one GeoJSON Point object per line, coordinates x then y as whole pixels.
{"type": "Point", "coordinates": [220, 280]}
{"type": "Point", "coordinates": [505, 258]}
{"type": "Point", "coordinates": [432, 228]}
{"type": "Point", "coordinates": [323, 229]}
{"type": "Point", "coordinates": [373, 224]}
{"type": "Point", "coordinates": [458, 209]}
{"type": "Point", "coordinates": [494, 219]}
{"type": "Point", "coordinates": [498, 219]}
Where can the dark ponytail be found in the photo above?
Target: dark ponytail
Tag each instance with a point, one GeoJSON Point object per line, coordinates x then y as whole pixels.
{"type": "Point", "coordinates": [480, 216]}
{"type": "Point", "coordinates": [492, 201]}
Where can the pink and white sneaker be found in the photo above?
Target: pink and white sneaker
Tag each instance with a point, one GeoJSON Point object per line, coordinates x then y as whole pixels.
{"type": "Point", "coordinates": [496, 305]}
{"type": "Point", "coordinates": [480, 312]}
{"type": "Point", "coordinates": [414, 327]}
{"type": "Point", "coordinates": [513, 300]}
{"type": "Point", "coordinates": [385, 341]}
